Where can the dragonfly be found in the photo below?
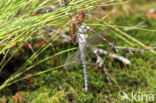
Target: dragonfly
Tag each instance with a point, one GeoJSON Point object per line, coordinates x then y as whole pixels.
{"type": "Point", "coordinates": [87, 43]}
{"type": "Point", "coordinates": [81, 36]}
{"type": "Point", "coordinates": [80, 54]}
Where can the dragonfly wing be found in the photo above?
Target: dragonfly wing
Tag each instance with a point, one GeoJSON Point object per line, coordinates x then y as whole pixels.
{"type": "Point", "coordinates": [72, 61]}
{"type": "Point", "coordinates": [94, 40]}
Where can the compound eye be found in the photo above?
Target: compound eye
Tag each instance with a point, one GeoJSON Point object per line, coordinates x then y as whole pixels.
{"type": "Point", "coordinates": [83, 27]}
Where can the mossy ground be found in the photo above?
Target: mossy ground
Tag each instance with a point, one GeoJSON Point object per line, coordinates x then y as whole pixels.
{"type": "Point", "coordinates": [60, 86]}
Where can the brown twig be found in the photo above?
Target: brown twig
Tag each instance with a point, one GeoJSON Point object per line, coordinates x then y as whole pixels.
{"type": "Point", "coordinates": [107, 76]}
{"type": "Point", "coordinates": [63, 36]}
{"type": "Point", "coordinates": [96, 51]}
{"type": "Point", "coordinates": [100, 64]}
{"type": "Point", "coordinates": [32, 50]}
{"type": "Point", "coordinates": [41, 11]}
{"type": "Point", "coordinates": [119, 47]}
{"type": "Point", "coordinates": [115, 82]}
{"type": "Point", "coordinates": [135, 50]}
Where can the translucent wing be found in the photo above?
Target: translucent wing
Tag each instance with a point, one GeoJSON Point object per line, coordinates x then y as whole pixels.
{"type": "Point", "coordinates": [73, 60]}
{"type": "Point", "coordinates": [94, 40]}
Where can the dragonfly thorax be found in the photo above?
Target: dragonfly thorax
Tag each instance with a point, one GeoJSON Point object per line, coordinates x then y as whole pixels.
{"type": "Point", "coordinates": [82, 35]}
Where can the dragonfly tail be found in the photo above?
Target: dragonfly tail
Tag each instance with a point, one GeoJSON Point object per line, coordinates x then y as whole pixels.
{"type": "Point", "coordinates": [85, 76]}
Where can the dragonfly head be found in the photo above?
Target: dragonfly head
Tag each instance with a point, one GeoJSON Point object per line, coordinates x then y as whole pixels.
{"type": "Point", "coordinates": [82, 29]}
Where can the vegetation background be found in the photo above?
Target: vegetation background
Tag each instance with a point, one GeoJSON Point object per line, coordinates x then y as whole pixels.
{"type": "Point", "coordinates": [35, 43]}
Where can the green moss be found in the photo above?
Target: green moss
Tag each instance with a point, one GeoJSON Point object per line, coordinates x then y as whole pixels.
{"type": "Point", "coordinates": [61, 86]}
